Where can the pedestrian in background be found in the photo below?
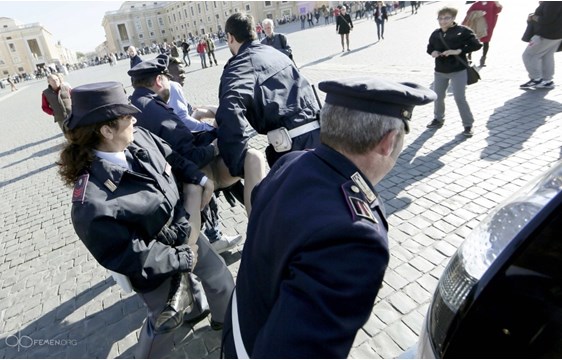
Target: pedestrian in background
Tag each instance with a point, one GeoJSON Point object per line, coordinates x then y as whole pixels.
{"type": "Point", "coordinates": [259, 31]}
{"type": "Point", "coordinates": [202, 50]}
{"type": "Point", "coordinates": [133, 56]}
{"type": "Point", "coordinates": [185, 49]}
{"type": "Point", "coordinates": [56, 99]}
{"type": "Point", "coordinates": [277, 40]}
{"type": "Point", "coordinates": [310, 19]}
{"type": "Point", "coordinates": [538, 57]}
{"type": "Point", "coordinates": [304, 292]}
{"type": "Point", "coordinates": [446, 45]}
{"type": "Point", "coordinates": [343, 27]}
{"type": "Point", "coordinates": [381, 16]}
{"type": "Point", "coordinates": [491, 9]}
{"type": "Point", "coordinates": [13, 86]}
{"type": "Point", "coordinates": [211, 50]}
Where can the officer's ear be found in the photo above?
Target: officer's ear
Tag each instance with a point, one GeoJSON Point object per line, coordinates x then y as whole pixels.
{"type": "Point", "coordinates": [389, 142]}
{"type": "Point", "coordinates": [106, 132]}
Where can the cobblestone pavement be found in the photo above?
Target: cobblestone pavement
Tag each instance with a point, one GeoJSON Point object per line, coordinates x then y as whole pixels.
{"type": "Point", "coordinates": [57, 302]}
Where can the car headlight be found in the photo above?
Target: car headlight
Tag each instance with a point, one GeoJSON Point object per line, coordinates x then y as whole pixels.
{"type": "Point", "coordinates": [484, 244]}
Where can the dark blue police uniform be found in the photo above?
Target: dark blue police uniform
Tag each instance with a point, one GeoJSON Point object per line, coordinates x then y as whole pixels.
{"type": "Point", "coordinates": [117, 213]}
{"type": "Point", "coordinates": [316, 248]}
{"type": "Point", "coordinates": [264, 88]}
{"type": "Point", "coordinates": [315, 272]}
{"type": "Point", "coordinates": [157, 117]}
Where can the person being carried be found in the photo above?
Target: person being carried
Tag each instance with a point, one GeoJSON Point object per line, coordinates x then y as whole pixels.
{"type": "Point", "coordinates": [151, 81]}
{"type": "Point", "coordinates": [305, 291]}
{"type": "Point", "coordinates": [201, 131]}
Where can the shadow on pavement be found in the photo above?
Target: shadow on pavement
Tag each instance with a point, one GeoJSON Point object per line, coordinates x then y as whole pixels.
{"type": "Point", "coordinates": [23, 147]}
{"type": "Point", "coordinates": [37, 154]}
{"type": "Point", "coordinates": [315, 62]}
{"type": "Point", "coordinates": [410, 169]}
{"type": "Point", "coordinates": [91, 337]}
{"type": "Point", "coordinates": [512, 124]}
{"type": "Point", "coordinates": [24, 176]}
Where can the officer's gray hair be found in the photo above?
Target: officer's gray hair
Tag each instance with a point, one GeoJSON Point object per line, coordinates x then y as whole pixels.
{"type": "Point", "coordinates": [354, 131]}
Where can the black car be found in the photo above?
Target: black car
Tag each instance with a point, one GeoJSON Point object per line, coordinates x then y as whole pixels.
{"type": "Point", "coordinates": [500, 296]}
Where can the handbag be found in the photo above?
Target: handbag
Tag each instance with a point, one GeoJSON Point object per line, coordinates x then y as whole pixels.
{"type": "Point", "coordinates": [472, 74]}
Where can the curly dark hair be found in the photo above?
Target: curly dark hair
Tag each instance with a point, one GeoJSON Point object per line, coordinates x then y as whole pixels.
{"type": "Point", "coordinates": [78, 152]}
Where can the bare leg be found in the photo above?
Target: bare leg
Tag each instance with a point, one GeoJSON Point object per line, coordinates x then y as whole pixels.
{"type": "Point", "coordinates": [254, 171]}
{"type": "Point", "coordinates": [192, 195]}
{"type": "Point", "coordinates": [342, 43]}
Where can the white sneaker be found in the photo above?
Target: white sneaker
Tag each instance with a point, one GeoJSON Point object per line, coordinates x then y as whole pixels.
{"type": "Point", "coordinates": [226, 243]}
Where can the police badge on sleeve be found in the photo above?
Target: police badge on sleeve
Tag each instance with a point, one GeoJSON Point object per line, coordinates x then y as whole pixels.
{"type": "Point", "coordinates": [79, 192]}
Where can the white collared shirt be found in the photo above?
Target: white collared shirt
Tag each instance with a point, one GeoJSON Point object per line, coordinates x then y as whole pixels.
{"type": "Point", "coordinates": [117, 158]}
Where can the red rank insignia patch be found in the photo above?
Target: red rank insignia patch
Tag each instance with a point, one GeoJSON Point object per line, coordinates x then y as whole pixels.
{"type": "Point", "coordinates": [79, 192]}
{"type": "Point", "coordinates": [362, 209]}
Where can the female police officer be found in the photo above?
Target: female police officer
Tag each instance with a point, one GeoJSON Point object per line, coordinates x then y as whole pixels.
{"type": "Point", "coordinates": [126, 207]}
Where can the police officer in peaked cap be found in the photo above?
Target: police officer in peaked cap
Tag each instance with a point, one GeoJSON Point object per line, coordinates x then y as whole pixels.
{"type": "Point", "coordinates": [127, 210]}
{"type": "Point", "coordinates": [316, 249]}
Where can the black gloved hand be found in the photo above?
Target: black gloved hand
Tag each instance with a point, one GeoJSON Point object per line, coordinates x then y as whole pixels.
{"type": "Point", "coordinates": [176, 234]}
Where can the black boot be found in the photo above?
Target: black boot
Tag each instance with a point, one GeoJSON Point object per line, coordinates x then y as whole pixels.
{"type": "Point", "coordinates": [180, 300]}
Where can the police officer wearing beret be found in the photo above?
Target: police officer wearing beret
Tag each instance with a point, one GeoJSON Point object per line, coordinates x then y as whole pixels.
{"type": "Point", "coordinates": [316, 248]}
{"type": "Point", "coordinates": [126, 207]}
{"type": "Point", "coordinates": [151, 81]}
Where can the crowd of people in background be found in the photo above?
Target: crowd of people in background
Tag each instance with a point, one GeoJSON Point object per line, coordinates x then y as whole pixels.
{"type": "Point", "coordinates": [207, 147]}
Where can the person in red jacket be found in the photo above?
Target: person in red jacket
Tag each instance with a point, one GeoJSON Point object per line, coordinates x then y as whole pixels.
{"type": "Point", "coordinates": [491, 10]}
{"type": "Point", "coordinates": [202, 50]}
{"type": "Point", "coordinates": [56, 99]}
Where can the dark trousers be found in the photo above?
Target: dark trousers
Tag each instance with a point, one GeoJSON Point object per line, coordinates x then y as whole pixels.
{"type": "Point", "coordinates": [186, 54]}
{"type": "Point", "coordinates": [380, 27]}
{"type": "Point", "coordinates": [218, 285]}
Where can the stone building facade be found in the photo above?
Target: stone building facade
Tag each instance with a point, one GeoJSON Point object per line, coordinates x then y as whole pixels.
{"type": "Point", "coordinates": [26, 47]}
{"type": "Point", "coordinates": [142, 23]}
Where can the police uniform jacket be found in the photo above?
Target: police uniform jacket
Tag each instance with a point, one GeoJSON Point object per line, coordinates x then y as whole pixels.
{"type": "Point", "coordinates": [117, 213]}
{"type": "Point", "coordinates": [456, 37]}
{"type": "Point", "coordinates": [262, 87]}
{"type": "Point", "coordinates": [160, 119]}
{"type": "Point", "coordinates": [313, 262]}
